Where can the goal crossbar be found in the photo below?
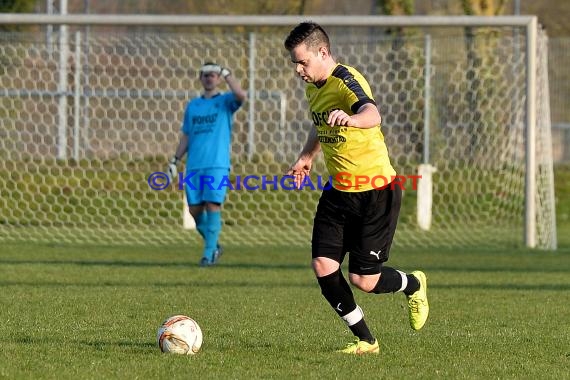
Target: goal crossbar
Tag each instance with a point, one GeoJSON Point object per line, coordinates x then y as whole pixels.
{"type": "Point", "coordinates": [264, 20]}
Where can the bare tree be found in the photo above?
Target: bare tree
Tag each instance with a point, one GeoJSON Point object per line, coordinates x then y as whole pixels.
{"type": "Point", "coordinates": [479, 45]}
{"type": "Point", "coordinates": [396, 8]}
{"type": "Point", "coordinates": [15, 6]}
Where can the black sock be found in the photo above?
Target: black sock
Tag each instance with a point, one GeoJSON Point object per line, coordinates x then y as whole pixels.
{"type": "Point", "coordinates": [360, 329]}
{"type": "Point", "coordinates": [391, 281]}
{"type": "Point", "coordinates": [413, 285]}
{"type": "Point", "coordinates": [337, 292]}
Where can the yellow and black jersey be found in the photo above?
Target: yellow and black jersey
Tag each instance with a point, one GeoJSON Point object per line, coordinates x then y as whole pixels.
{"type": "Point", "coordinates": [357, 159]}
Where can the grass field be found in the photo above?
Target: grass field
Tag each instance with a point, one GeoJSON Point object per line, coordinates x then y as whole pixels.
{"type": "Point", "coordinates": [75, 311]}
{"type": "Point", "coordinates": [91, 312]}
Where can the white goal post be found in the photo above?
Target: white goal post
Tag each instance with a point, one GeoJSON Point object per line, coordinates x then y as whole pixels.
{"type": "Point", "coordinates": [467, 96]}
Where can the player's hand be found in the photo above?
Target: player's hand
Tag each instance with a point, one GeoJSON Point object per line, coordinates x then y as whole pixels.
{"type": "Point", "coordinates": [172, 169]}
{"type": "Point", "coordinates": [225, 72]}
{"type": "Point", "coordinates": [299, 170]}
{"type": "Point", "coordinates": [340, 118]}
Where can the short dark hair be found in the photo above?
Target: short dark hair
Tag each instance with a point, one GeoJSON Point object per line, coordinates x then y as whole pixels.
{"type": "Point", "coordinates": [310, 33]}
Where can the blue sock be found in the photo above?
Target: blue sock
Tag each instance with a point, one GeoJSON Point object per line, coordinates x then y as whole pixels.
{"type": "Point", "coordinates": [202, 224]}
{"type": "Point", "coordinates": [214, 224]}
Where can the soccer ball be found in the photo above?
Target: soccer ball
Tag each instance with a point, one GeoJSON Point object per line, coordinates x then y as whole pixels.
{"type": "Point", "coordinates": [179, 334]}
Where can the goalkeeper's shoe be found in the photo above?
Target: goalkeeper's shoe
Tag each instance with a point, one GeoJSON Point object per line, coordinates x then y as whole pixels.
{"type": "Point", "coordinates": [218, 252]}
{"type": "Point", "coordinates": [206, 262]}
{"type": "Point", "coordinates": [418, 306]}
{"type": "Point", "coordinates": [361, 347]}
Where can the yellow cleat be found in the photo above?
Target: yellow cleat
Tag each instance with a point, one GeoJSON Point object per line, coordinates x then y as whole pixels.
{"type": "Point", "coordinates": [418, 303]}
{"type": "Point", "coordinates": [361, 347]}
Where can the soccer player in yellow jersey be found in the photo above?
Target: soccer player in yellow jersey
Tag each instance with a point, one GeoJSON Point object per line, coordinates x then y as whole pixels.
{"type": "Point", "coordinates": [355, 216]}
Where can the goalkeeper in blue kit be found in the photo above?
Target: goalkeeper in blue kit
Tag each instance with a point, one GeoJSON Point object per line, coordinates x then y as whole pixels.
{"type": "Point", "coordinates": [206, 141]}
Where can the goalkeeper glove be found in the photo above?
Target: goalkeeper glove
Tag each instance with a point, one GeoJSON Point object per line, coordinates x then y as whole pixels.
{"type": "Point", "coordinates": [225, 72]}
{"type": "Point", "coordinates": [172, 170]}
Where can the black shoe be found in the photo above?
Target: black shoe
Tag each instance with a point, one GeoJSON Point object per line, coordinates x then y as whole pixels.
{"type": "Point", "coordinates": [204, 262]}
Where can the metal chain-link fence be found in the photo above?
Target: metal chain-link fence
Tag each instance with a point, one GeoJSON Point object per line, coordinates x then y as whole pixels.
{"type": "Point", "coordinates": [80, 137]}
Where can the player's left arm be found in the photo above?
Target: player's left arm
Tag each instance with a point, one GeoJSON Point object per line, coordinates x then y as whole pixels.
{"type": "Point", "coordinates": [234, 85]}
{"type": "Point", "coordinates": [357, 108]}
{"type": "Point", "coordinates": [366, 117]}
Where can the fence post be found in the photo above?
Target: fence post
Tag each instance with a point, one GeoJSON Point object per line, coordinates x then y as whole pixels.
{"type": "Point", "coordinates": [62, 88]}
{"type": "Point", "coordinates": [77, 95]}
{"type": "Point", "coordinates": [251, 98]}
{"type": "Point", "coordinates": [425, 170]}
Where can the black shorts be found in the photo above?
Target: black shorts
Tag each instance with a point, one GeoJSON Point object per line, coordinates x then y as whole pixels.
{"type": "Point", "coordinates": [361, 224]}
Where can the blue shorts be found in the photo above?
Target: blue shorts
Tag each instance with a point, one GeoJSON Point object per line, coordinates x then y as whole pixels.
{"type": "Point", "coordinates": [207, 185]}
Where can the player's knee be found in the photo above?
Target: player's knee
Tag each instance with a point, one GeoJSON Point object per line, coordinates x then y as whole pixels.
{"type": "Point", "coordinates": [322, 266]}
{"type": "Point", "coordinates": [196, 210]}
{"type": "Point", "coordinates": [365, 283]}
{"type": "Point", "coordinates": [213, 206]}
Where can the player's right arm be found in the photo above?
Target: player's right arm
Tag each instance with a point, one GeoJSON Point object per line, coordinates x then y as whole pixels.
{"type": "Point", "coordinates": [302, 167]}
{"type": "Point", "coordinates": [172, 169]}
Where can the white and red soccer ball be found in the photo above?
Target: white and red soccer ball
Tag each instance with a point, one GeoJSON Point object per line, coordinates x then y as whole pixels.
{"type": "Point", "coordinates": [179, 334]}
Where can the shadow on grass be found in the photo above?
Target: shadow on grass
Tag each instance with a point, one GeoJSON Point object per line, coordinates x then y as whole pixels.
{"type": "Point", "coordinates": [96, 344]}
{"type": "Point", "coordinates": [466, 268]}
{"type": "Point", "coordinates": [309, 283]}
{"type": "Point", "coordinates": [130, 346]}
{"type": "Point", "coordinates": [525, 287]}
{"type": "Point", "coordinates": [151, 264]}
{"type": "Point", "coordinates": [485, 269]}
{"type": "Point", "coordinates": [170, 284]}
